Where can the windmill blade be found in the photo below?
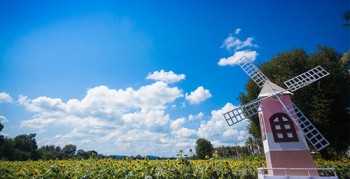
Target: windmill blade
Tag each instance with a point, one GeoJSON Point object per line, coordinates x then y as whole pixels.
{"type": "Point", "coordinates": [243, 112]}
{"type": "Point", "coordinates": [306, 78]}
{"type": "Point", "coordinates": [311, 133]}
{"type": "Point", "coordinates": [252, 71]}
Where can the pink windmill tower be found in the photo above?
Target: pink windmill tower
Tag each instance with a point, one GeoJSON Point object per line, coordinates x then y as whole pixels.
{"type": "Point", "coordinates": [284, 127]}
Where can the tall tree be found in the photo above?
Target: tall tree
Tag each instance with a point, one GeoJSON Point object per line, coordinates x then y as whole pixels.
{"type": "Point", "coordinates": [324, 102]}
{"type": "Point", "coordinates": [1, 136]}
{"type": "Point", "coordinates": [25, 147]}
{"type": "Point", "coordinates": [69, 150]}
{"type": "Point", "coordinates": [204, 148]}
{"type": "Point", "coordinates": [6, 149]}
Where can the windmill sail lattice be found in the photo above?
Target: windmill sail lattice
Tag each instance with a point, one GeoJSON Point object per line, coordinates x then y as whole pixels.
{"type": "Point", "coordinates": [242, 112]}
{"type": "Point", "coordinates": [306, 78]}
{"type": "Point", "coordinates": [310, 132]}
{"type": "Point", "coordinates": [252, 71]}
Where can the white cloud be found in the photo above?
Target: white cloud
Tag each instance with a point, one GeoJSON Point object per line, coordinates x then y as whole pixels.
{"type": "Point", "coordinates": [22, 99]}
{"type": "Point", "coordinates": [5, 98]}
{"type": "Point", "coordinates": [185, 133]}
{"type": "Point", "coordinates": [239, 49]}
{"type": "Point", "coordinates": [168, 77]}
{"type": "Point", "coordinates": [127, 121]}
{"type": "Point", "coordinates": [237, 31]}
{"type": "Point", "coordinates": [128, 105]}
{"type": "Point", "coordinates": [176, 124]}
{"type": "Point", "coordinates": [232, 42]}
{"type": "Point", "coordinates": [132, 119]}
{"type": "Point", "coordinates": [232, 60]}
{"type": "Point", "coordinates": [198, 96]}
{"type": "Point", "coordinates": [3, 119]}
{"type": "Point", "coordinates": [197, 116]}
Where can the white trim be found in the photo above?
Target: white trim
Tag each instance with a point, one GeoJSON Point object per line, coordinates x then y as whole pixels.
{"type": "Point", "coordinates": [263, 175]}
{"type": "Point", "coordinates": [270, 89]}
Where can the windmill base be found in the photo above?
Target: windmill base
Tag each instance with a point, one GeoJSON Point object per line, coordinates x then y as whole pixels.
{"type": "Point", "coordinates": [297, 173]}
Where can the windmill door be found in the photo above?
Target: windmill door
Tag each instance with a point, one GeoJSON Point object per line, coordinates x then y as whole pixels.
{"type": "Point", "coordinates": [283, 129]}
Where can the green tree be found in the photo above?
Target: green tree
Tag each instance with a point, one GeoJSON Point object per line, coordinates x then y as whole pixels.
{"type": "Point", "coordinates": [25, 147]}
{"type": "Point", "coordinates": [6, 149]}
{"type": "Point", "coordinates": [324, 102]}
{"type": "Point", "coordinates": [82, 154]}
{"type": "Point", "coordinates": [69, 150]}
{"type": "Point", "coordinates": [204, 148]}
{"type": "Point", "coordinates": [1, 136]}
{"type": "Point", "coordinates": [48, 152]}
{"type": "Point", "coordinates": [249, 143]}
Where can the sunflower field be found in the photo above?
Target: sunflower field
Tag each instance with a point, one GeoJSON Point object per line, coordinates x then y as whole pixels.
{"type": "Point", "coordinates": [110, 168]}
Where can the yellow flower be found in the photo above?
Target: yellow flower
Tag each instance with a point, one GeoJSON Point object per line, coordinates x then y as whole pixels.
{"type": "Point", "coordinates": [36, 172]}
{"type": "Point", "coordinates": [69, 175]}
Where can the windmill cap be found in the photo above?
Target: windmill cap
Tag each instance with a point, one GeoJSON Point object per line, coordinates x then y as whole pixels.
{"type": "Point", "coordinates": [270, 89]}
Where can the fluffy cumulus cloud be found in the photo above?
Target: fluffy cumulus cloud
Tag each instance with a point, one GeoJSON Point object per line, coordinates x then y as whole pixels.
{"type": "Point", "coordinates": [3, 119]}
{"type": "Point", "coordinates": [197, 96]}
{"type": "Point", "coordinates": [128, 121]}
{"type": "Point", "coordinates": [199, 116]}
{"type": "Point", "coordinates": [239, 49]}
{"type": "Point", "coordinates": [168, 77]}
{"type": "Point", "coordinates": [237, 31]}
{"type": "Point", "coordinates": [232, 60]}
{"type": "Point", "coordinates": [5, 98]}
{"type": "Point", "coordinates": [123, 117]}
{"type": "Point", "coordinates": [234, 43]}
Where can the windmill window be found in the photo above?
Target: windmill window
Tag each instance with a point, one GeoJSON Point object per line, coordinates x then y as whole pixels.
{"type": "Point", "coordinates": [283, 129]}
{"type": "Point", "coordinates": [278, 127]}
{"type": "Point", "coordinates": [290, 135]}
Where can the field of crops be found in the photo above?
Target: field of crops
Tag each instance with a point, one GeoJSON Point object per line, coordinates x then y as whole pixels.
{"type": "Point", "coordinates": [108, 168]}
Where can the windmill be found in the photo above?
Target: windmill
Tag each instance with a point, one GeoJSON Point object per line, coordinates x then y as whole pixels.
{"type": "Point", "coordinates": [284, 127]}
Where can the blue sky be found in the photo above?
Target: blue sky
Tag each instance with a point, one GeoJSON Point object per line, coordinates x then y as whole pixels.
{"type": "Point", "coordinates": [144, 77]}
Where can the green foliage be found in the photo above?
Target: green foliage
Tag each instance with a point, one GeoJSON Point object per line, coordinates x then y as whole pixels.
{"type": "Point", "coordinates": [204, 148]}
{"type": "Point", "coordinates": [22, 147]}
{"type": "Point", "coordinates": [6, 149]}
{"type": "Point", "coordinates": [48, 152]}
{"type": "Point", "coordinates": [69, 150]}
{"type": "Point", "coordinates": [1, 138]}
{"type": "Point", "coordinates": [233, 151]}
{"type": "Point", "coordinates": [25, 147]}
{"type": "Point", "coordinates": [324, 102]}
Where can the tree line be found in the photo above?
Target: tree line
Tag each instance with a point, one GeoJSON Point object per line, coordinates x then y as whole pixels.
{"type": "Point", "coordinates": [24, 147]}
